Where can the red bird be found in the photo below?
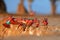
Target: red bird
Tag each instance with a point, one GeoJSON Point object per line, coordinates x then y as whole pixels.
{"type": "Point", "coordinates": [45, 21]}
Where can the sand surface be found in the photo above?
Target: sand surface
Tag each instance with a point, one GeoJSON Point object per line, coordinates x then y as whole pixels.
{"type": "Point", "coordinates": [24, 37]}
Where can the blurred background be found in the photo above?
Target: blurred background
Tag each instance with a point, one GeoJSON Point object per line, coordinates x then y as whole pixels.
{"type": "Point", "coordinates": [39, 6]}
